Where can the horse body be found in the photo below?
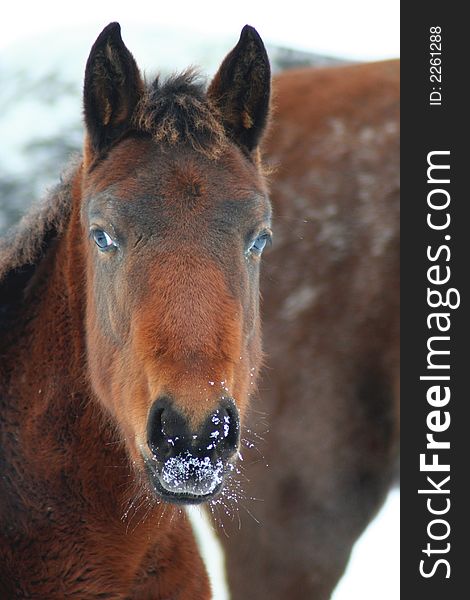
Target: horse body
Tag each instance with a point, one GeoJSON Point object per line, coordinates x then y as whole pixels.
{"type": "Point", "coordinates": [130, 328]}
{"type": "Point", "coordinates": [130, 334]}
{"type": "Point", "coordinates": [330, 288]}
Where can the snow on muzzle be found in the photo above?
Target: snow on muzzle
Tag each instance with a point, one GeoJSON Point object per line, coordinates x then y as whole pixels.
{"type": "Point", "coordinates": [189, 466]}
{"type": "Point", "coordinates": [189, 474]}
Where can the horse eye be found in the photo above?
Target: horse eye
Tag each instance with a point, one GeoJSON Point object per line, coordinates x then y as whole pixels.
{"type": "Point", "coordinates": [102, 239]}
{"type": "Point", "coordinates": [259, 244]}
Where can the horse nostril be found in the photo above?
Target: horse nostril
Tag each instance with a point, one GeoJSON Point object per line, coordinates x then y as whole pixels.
{"type": "Point", "coordinates": [164, 425]}
{"type": "Point", "coordinates": [223, 430]}
{"type": "Point", "coordinates": [155, 434]}
{"type": "Point", "coordinates": [168, 434]}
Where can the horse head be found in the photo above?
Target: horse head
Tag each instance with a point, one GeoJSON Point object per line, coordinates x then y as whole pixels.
{"type": "Point", "coordinates": [175, 216]}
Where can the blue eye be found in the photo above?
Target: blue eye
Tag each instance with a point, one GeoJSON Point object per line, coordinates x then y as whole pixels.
{"type": "Point", "coordinates": [259, 244]}
{"type": "Point", "coordinates": [102, 239]}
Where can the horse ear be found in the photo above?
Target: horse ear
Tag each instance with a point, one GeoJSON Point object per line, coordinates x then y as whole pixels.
{"type": "Point", "coordinates": [113, 86]}
{"type": "Point", "coordinates": [241, 90]}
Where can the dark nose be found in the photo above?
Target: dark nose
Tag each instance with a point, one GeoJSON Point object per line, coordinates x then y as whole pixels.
{"type": "Point", "coordinates": [170, 436]}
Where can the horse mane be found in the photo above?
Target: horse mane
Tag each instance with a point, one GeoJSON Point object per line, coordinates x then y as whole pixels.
{"type": "Point", "coordinates": [178, 110]}
{"type": "Point", "coordinates": [23, 247]}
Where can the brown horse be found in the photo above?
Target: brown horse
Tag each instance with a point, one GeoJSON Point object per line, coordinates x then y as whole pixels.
{"type": "Point", "coordinates": [329, 393]}
{"type": "Point", "coordinates": [130, 332]}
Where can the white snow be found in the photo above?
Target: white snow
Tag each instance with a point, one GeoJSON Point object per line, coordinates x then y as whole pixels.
{"type": "Point", "coordinates": [373, 571]}
{"type": "Point", "coordinates": [374, 568]}
{"type": "Point", "coordinates": [187, 473]}
{"type": "Point", "coordinates": [365, 29]}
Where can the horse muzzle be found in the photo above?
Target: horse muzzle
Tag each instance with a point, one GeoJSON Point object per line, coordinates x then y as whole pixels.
{"type": "Point", "coordinates": [187, 466]}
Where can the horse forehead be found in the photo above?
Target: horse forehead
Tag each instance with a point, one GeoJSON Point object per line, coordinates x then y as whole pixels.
{"type": "Point", "coordinates": [139, 167]}
{"type": "Point", "coordinates": [175, 189]}
{"type": "Point", "coordinates": [191, 179]}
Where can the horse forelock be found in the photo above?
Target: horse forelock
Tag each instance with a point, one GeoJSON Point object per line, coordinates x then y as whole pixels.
{"type": "Point", "coordinates": [179, 111]}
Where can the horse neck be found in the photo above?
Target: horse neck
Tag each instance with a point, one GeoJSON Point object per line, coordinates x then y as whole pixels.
{"type": "Point", "coordinates": [63, 467]}
{"type": "Point", "coordinates": [50, 339]}
{"type": "Point", "coordinates": [49, 407]}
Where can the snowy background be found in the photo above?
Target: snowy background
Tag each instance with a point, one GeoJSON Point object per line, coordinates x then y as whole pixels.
{"type": "Point", "coordinates": [43, 49]}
